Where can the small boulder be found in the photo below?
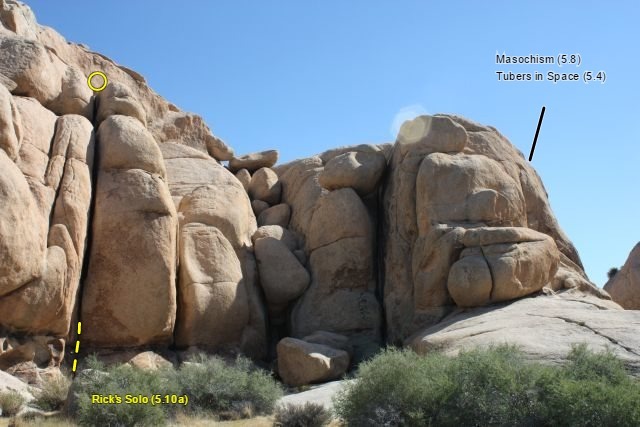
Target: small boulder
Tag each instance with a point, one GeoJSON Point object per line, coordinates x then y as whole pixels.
{"type": "Point", "coordinates": [290, 238]}
{"type": "Point", "coordinates": [330, 339]}
{"type": "Point", "coordinates": [118, 99]}
{"type": "Point", "coordinates": [244, 177]}
{"type": "Point", "coordinates": [300, 362]}
{"type": "Point", "coordinates": [259, 206]}
{"type": "Point", "coordinates": [265, 186]}
{"type": "Point", "coordinates": [275, 215]}
{"type": "Point", "coordinates": [358, 170]}
{"type": "Point", "coordinates": [254, 161]}
{"type": "Point", "coordinates": [282, 276]}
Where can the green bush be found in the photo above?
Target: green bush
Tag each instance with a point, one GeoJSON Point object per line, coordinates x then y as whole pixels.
{"type": "Point", "coordinates": [119, 381]}
{"type": "Point", "coordinates": [11, 402]}
{"type": "Point", "coordinates": [307, 415]}
{"type": "Point", "coordinates": [233, 391]}
{"type": "Point", "coordinates": [213, 386]}
{"type": "Point", "coordinates": [494, 387]}
{"type": "Point", "coordinates": [53, 393]}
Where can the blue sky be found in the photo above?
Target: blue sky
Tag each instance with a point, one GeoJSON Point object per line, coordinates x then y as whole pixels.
{"type": "Point", "coordinates": [306, 76]}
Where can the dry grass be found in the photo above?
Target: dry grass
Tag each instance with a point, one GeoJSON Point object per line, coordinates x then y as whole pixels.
{"type": "Point", "coordinates": [45, 422]}
{"type": "Point", "coordinates": [181, 420]}
{"type": "Point", "coordinates": [195, 421]}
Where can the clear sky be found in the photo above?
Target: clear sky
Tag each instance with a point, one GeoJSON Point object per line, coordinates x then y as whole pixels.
{"type": "Point", "coordinates": [304, 76]}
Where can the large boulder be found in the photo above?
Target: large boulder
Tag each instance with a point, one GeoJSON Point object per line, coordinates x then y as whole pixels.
{"type": "Point", "coordinates": [254, 161]}
{"type": "Point", "coordinates": [213, 301]}
{"type": "Point", "coordinates": [279, 214]}
{"type": "Point", "coordinates": [544, 328]}
{"type": "Point", "coordinates": [216, 224]}
{"type": "Point", "coordinates": [341, 297]}
{"type": "Point", "coordinates": [282, 276]}
{"type": "Point", "coordinates": [624, 286]}
{"type": "Point", "coordinates": [300, 362]}
{"type": "Point", "coordinates": [265, 186]}
{"type": "Point", "coordinates": [457, 259]}
{"type": "Point", "coordinates": [134, 203]}
{"type": "Point", "coordinates": [358, 170]}
{"type": "Point", "coordinates": [43, 224]}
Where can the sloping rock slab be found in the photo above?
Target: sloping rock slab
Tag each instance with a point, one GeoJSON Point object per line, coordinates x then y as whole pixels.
{"type": "Point", "coordinates": [321, 394]}
{"type": "Point", "coordinates": [544, 328]}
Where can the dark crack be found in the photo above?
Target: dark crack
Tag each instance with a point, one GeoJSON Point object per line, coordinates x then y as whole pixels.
{"type": "Point", "coordinates": [584, 325]}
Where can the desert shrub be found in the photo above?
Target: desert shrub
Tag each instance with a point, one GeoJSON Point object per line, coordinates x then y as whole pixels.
{"type": "Point", "coordinates": [495, 386]}
{"type": "Point", "coordinates": [592, 389]}
{"type": "Point", "coordinates": [612, 272]}
{"type": "Point", "coordinates": [213, 386]}
{"type": "Point", "coordinates": [307, 415]}
{"type": "Point", "coordinates": [11, 402]}
{"type": "Point", "coordinates": [237, 390]}
{"type": "Point", "coordinates": [120, 381]}
{"type": "Point", "coordinates": [53, 393]}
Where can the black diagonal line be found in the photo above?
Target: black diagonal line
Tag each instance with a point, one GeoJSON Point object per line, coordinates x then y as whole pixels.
{"type": "Point", "coordinates": [535, 138]}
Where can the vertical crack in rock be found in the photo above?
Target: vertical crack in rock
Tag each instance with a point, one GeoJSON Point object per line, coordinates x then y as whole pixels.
{"type": "Point", "coordinates": [89, 238]}
{"type": "Point", "coordinates": [380, 238]}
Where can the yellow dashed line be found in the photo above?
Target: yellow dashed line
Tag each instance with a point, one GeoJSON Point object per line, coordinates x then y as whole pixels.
{"type": "Point", "coordinates": [75, 361]}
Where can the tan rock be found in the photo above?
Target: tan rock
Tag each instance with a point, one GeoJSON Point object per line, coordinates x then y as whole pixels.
{"type": "Point", "coordinates": [188, 169]}
{"type": "Point", "coordinates": [118, 99]}
{"type": "Point", "coordinates": [132, 201]}
{"type": "Point", "coordinates": [275, 215]}
{"type": "Point", "coordinates": [330, 339]}
{"type": "Point", "coordinates": [470, 283]}
{"type": "Point", "coordinates": [219, 149]}
{"type": "Point", "coordinates": [544, 328]}
{"type": "Point", "coordinates": [46, 304]}
{"type": "Point", "coordinates": [282, 276]}
{"type": "Point", "coordinates": [338, 215]}
{"type": "Point", "coordinates": [136, 148]}
{"type": "Point", "coordinates": [214, 307]}
{"type": "Point", "coordinates": [190, 130]}
{"type": "Point", "coordinates": [22, 245]}
{"type": "Point", "coordinates": [624, 287]}
{"type": "Point", "coordinates": [244, 177]}
{"type": "Point", "coordinates": [265, 186]}
{"type": "Point", "coordinates": [301, 191]}
{"type": "Point", "coordinates": [431, 134]}
{"type": "Point", "coordinates": [484, 192]}
{"type": "Point", "coordinates": [301, 363]}
{"type": "Point", "coordinates": [9, 383]}
{"type": "Point", "coordinates": [75, 96]}
{"type": "Point", "coordinates": [344, 311]}
{"type": "Point", "coordinates": [290, 239]}
{"type": "Point", "coordinates": [10, 125]}
{"type": "Point", "coordinates": [36, 72]}
{"type": "Point", "coordinates": [258, 207]}
{"type": "Point", "coordinates": [358, 170]}
{"type": "Point", "coordinates": [519, 269]}
{"type": "Point", "coordinates": [499, 202]}
{"type": "Point", "coordinates": [225, 207]}
{"type": "Point", "coordinates": [254, 161]}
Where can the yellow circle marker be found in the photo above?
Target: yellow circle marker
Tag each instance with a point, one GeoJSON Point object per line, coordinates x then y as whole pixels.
{"type": "Point", "coordinates": [104, 79]}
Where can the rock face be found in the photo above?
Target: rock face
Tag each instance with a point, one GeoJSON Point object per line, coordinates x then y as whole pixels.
{"type": "Point", "coordinates": [544, 328]}
{"type": "Point", "coordinates": [132, 201]}
{"type": "Point", "coordinates": [158, 244]}
{"type": "Point", "coordinates": [45, 194]}
{"type": "Point", "coordinates": [492, 239]}
{"type": "Point", "coordinates": [624, 287]}
{"type": "Point", "coordinates": [300, 362]}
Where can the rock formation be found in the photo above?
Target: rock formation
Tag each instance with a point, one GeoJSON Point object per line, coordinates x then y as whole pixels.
{"type": "Point", "coordinates": [118, 209]}
{"type": "Point", "coordinates": [624, 286]}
